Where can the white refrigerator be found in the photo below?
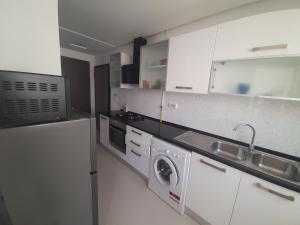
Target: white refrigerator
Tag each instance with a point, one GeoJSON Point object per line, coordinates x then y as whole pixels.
{"type": "Point", "coordinates": [48, 174]}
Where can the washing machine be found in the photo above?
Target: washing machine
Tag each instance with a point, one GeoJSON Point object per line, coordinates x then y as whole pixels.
{"type": "Point", "coordinates": [169, 170]}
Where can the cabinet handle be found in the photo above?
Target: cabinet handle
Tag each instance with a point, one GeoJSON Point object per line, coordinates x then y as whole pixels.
{"type": "Point", "coordinates": [287, 197]}
{"type": "Point", "coordinates": [137, 154]}
{"type": "Point", "coordinates": [133, 131]}
{"type": "Point", "coordinates": [213, 76]}
{"type": "Point", "coordinates": [269, 47]}
{"type": "Point", "coordinates": [136, 144]}
{"type": "Point", "coordinates": [102, 117]}
{"type": "Point", "coordinates": [182, 87]}
{"type": "Point", "coordinates": [213, 166]}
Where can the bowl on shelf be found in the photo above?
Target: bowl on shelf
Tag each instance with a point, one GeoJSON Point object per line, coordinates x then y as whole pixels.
{"type": "Point", "coordinates": [163, 62]}
{"type": "Point", "coordinates": [243, 88]}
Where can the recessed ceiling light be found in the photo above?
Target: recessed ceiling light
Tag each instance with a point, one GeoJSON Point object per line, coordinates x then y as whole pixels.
{"type": "Point", "coordinates": [78, 45]}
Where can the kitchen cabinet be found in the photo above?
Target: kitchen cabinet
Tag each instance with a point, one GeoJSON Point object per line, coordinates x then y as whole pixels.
{"type": "Point", "coordinates": [261, 202]}
{"type": "Point", "coordinates": [30, 37]}
{"type": "Point", "coordinates": [153, 69]}
{"type": "Point", "coordinates": [189, 61]}
{"type": "Point", "coordinates": [265, 35]}
{"type": "Point", "coordinates": [138, 149]}
{"type": "Point", "coordinates": [277, 77]}
{"type": "Point", "coordinates": [104, 130]}
{"type": "Point", "coordinates": [116, 61]}
{"type": "Point", "coordinates": [212, 189]}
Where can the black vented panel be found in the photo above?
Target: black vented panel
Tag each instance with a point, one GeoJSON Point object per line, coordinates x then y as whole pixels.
{"type": "Point", "coordinates": [33, 105]}
{"type": "Point", "coordinates": [10, 107]}
{"type": "Point", "coordinates": [19, 86]}
{"type": "Point", "coordinates": [55, 105]}
{"type": "Point", "coordinates": [6, 85]}
{"type": "Point", "coordinates": [54, 87]}
{"type": "Point", "coordinates": [31, 86]}
{"type": "Point", "coordinates": [43, 87]}
{"type": "Point", "coordinates": [31, 98]}
{"type": "Point", "coordinates": [45, 105]}
{"type": "Point", "coordinates": [22, 106]}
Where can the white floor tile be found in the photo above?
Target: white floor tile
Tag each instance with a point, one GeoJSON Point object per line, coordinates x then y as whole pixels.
{"type": "Point", "coordinates": [124, 198]}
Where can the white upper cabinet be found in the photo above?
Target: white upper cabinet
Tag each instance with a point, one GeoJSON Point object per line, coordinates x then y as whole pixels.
{"type": "Point", "coordinates": [277, 77]}
{"type": "Point", "coordinates": [265, 35]}
{"type": "Point", "coordinates": [153, 65]}
{"type": "Point", "coordinates": [116, 61]}
{"type": "Point", "coordinates": [30, 37]}
{"type": "Point", "coordinates": [261, 202]}
{"type": "Point", "coordinates": [189, 61]}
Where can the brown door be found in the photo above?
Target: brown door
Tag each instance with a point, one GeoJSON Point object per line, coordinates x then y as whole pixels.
{"type": "Point", "coordinates": [102, 90]}
{"type": "Point", "coordinates": [78, 73]}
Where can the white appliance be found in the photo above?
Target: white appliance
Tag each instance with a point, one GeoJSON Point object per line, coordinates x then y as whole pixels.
{"type": "Point", "coordinates": [169, 170]}
{"type": "Point", "coordinates": [48, 174]}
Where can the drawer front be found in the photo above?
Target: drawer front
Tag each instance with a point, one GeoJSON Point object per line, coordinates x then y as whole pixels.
{"type": "Point", "coordinates": [138, 134]}
{"type": "Point", "coordinates": [138, 160]}
{"type": "Point", "coordinates": [142, 145]}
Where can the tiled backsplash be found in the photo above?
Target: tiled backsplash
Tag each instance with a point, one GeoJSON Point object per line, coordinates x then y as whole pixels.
{"type": "Point", "coordinates": [277, 122]}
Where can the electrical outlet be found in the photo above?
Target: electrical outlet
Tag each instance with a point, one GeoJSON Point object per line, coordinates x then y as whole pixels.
{"type": "Point", "coordinates": [172, 105]}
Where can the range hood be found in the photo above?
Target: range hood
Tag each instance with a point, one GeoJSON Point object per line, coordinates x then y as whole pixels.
{"type": "Point", "coordinates": [131, 72]}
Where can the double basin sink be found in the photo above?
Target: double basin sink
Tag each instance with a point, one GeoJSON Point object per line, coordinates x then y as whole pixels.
{"type": "Point", "coordinates": [261, 161]}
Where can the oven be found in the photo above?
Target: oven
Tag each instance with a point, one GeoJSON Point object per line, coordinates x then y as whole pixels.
{"type": "Point", "coordinates": [117, 133]}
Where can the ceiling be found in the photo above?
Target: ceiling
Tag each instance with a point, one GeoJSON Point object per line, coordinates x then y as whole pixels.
{"type": "Point", "coordinates": [118, 22]}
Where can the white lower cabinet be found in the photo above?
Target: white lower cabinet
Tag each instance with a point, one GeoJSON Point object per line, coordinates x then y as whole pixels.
{"type": "Point", "coordinates": [261, 202]}
{"type": "Point", "coordinates": [104, 130]}
{"type": "Point", "coordinates": [212, 189]}
{"type": "Point", "coordinates": [138, 149]}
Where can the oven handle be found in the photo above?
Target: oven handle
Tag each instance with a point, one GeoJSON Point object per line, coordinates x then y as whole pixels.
{"type": "Point", "coordinates": [117, 128]}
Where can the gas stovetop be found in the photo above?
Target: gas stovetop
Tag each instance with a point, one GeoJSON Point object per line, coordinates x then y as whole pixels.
{"type": "Point", "coordinates": [129, 116]}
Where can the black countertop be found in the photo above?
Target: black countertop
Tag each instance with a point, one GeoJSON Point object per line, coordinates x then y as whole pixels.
{"type": "Point", "coordinates": [168, 131]}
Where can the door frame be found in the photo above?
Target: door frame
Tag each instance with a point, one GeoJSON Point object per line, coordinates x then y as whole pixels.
{"type": "Point", "coordinates": [109, 89]}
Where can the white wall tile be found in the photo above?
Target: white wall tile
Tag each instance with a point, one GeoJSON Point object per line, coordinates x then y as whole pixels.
{"type": "Point", "coordinates": [277, 122]}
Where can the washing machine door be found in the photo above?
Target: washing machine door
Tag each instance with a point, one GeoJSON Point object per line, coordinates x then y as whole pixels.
{"type": "Point", "coordinates": [165, 171]}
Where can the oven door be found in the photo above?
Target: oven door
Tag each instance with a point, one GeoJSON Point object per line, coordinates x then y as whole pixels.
{"type": "Point", "coordinates": [117, 138]}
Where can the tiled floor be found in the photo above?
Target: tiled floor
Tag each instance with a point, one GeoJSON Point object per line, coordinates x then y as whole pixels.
{"type": "Point", "coordinates": [124, 198]}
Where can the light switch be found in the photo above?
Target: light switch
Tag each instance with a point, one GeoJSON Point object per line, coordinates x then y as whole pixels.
{"type": "Point", "coordinates": [172, 105]}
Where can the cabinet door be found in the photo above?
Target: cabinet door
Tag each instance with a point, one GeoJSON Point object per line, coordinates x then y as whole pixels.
{"type": "Point", "coordinates": [116, 62]}
{"type": "Point", "coordinates": [104, 130]}
{"type": "Point", "coordinates": [115, 70]}
{"type": "Point", "coordinates": [265, 35]}
{"type": "Point", "coordinates": [277, 77]}
{"type": "Point", "coordinates": [189, 61]}
{"type": "Point", "coordinates": [261, 202]}
{"type": "Point", "coordinates": [212, 189]}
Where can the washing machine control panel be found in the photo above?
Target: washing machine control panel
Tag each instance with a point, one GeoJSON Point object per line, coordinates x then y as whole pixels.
{"type": "Point", "coordinates": [168, 149]}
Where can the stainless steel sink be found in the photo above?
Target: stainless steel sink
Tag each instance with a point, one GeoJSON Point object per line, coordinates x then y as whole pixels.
{"type": "Point", "coordinates": [277, 166]}
{"type": "Point", "coordinates": [228, 150]}
{"type": "Point", "coordinates": [267, 163]}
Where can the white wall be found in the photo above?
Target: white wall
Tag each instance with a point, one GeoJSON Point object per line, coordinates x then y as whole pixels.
{"type": "Point", "coordinates": [276, 121]}
{"type": "Point", "coordinates": [29, 36]}
{"type": "Point", "coordinates": [91, 59]}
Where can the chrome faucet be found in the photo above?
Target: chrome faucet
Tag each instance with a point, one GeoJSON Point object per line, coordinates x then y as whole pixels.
{"type": "Point", "coordinates": [251, 146]}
